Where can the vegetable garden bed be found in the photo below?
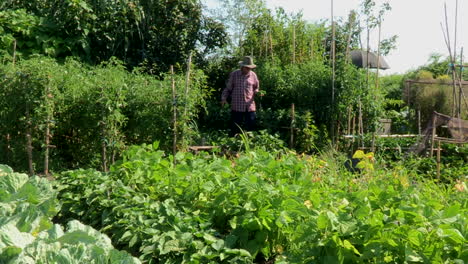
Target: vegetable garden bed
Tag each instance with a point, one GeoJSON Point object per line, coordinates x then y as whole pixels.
{"type": "Point", "coordinates": [259, 208]}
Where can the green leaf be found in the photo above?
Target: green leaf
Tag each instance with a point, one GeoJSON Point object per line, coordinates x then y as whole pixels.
{"type": "Point", "coordinates": [412, 256]}
{"type": "Point", "coordinates": [209, 238]}
{"type": "Point", "coordinates": [452, 211]}
{"type": "Point", "coordinates": [453, 234]}
{"type": "Point", "coordinates": [414, 237]}
{"type": "Point", "coordinates": [349, 246]}
{"type": "Point", "coordinates": [218, 245]}
{"type": "Point", "coordinates": [322, 221]}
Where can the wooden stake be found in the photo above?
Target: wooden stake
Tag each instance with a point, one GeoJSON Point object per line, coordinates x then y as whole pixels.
{"type": "Point", "coordinates": [438, 159]}
{"type": "Point", "coordinates": [378, 59]}
{"type": "Point", "coordinates": [353, 130]}
{"type": "Point", "coordinates": [460, 87]}
{"type": "Point", "coordinates": [187, 87]}
{"type": "Point", "coordinates": [103, 136]}
{"type": "Point", "coordinates": [14, 52]}
{"type": "Point", "coordinates": [348, 41]}
{"type": "Point", "coordinates": [47, 133]}
{"type": "Point", "coordinates": [419, 121]}
{"type": "Point", "coordinates": [434, 120]}
{"type": "Point", "coordinates": [293, 122]}
{"type": "Point", "coordinates": [174, 120]}
{"type": "Point", "coordinates": [294, 45]}
{"type": "Point", "coordinates": [29, 147]}
{"type": "Point", "coordinates": [333, 76]}
{"type": "Point", "coordinates": [360, 124]}
{"type": "Point", "coordinates": [348, 131]}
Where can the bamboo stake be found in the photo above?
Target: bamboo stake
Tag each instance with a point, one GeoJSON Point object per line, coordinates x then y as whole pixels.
{"type": "Point", "coordinates": [348, 41]}
{"type": "Point", "coordinates": [294, 45]}
{"type": "Point", "coordinates": [438, 159]}
{"type": "Point", "coordinates": [47, 133]}
{"type": "Point", "coordinates": [174, 120]}
{"type": "Point", "coordinates": [452, 59]}
{"type": "Point", "coordinates": [348, 131]}
{"type": "Point", "coordinates": [187, 82]}
{"type": "Point", "coordinates": [333, 75]}
{"type": "Point", "coordinates": [29, 147]}
{"type": "Point", "coordinates": [460, 86]}
{"type": "Point", "coordinates": [360, 124]}
{"type": "Point", "coordinates": [354, 127]}
{"type": "Point", "coordinates": [434, 119]}
{"type": "Point", "coordinates": [376, 77]}
{"type": "Point", "coordinates": [378, 57]}
{"type": "Point", "coordinates": [103, 135]}
{"type": "Point", "coordinates": [14, 53]}
{"type": "Point", "coordinates": [187, 87]}
{"type": "Point", "coordinates": [419, 121]}
{"type": "Point", "coordinates": [293, 121]}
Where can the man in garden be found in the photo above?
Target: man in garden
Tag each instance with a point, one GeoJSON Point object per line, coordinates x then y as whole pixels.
{"type": "Point", "coordinates": [242, 86]}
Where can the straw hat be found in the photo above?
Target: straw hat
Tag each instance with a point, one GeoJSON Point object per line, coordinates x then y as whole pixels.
{"type": "Point", "coordinates": [247, 62]}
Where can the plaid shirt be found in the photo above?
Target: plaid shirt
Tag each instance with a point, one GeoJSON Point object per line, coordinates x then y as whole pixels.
{"type": "Point", "coordinates": [242, 89]}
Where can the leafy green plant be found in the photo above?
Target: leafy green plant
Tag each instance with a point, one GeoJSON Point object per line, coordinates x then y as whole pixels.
{"type": "Point", "coordinates": [28, 235]}
{"type": "Point", "coordinates": [261, 206]}
{"type": "Point", "coordinates": [90, 114]}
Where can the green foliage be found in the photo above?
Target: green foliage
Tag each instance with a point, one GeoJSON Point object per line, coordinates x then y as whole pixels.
{"type": "Point", "coordinates": [255, 140]}
{"type": "Point", "coordinates": [93, 112]}
{"type": "Point", "coordinates": [264, 207]}
{"type": "Point", "coordinates": [28, 235]}
{"type": "Point", "coordinates": [156, 33]}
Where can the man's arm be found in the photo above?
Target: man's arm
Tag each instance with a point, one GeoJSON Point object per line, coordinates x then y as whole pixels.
{"type": "Point", "coordinates": [227, 91]}
{"type": "Point", "coordinates": [256, 85]}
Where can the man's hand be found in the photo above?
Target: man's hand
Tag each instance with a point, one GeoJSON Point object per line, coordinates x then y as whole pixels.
{"type": "Point", "coordinates": [223, 102]}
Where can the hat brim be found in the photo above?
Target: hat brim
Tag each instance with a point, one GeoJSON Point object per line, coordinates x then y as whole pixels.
{"type": "Point", "coordinates": [251, 66]}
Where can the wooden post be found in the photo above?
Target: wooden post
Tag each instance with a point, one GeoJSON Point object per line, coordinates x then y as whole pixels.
{"type": "Point", "coordinates": [29, 147]}
{"type": "Point", "coordinates": [438, 159]}
{"type": "Point", "coordinates": [360, 125]}
{"type": "Point", "coordinates": [293, 122]}
{"type": "Point", "coordinates": [294, 45]}
{"type": "Point", "coordinates": [14, 53]}
{"type": "Point", "coordinates": [47, 132]}
{"type": "Point", "coordinates": [103, 137]}
{"type": "Point", "coordinates": [187, 88]}
{"type": "Point", "coordinates": [333, 75]}
{"type": "Point", "coordinates": [419, 121]}
{"type": "Point", "coordinates": [434, 120]}
{"type": "Point", "coordinates": [378, 59]}
{"type": "Point", "coordinates": [348, 131]}
{"type": "Point", "coordinates": [174, 118]}
{"type": "Point", "coordinates": [348, 41]}
{"type": "Point", "coordinates": [460, 87]}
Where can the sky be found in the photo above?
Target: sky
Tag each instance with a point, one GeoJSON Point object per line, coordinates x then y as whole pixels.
{"type": "Point", "coordinates": [417, 23]}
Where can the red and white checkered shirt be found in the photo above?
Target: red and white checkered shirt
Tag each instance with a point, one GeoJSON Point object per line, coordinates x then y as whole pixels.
{"type": "Point", "coordinates": [242, 89]}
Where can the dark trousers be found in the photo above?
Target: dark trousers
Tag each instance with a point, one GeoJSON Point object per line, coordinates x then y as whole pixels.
{"type": "Point", "coordinates": [245, 120]}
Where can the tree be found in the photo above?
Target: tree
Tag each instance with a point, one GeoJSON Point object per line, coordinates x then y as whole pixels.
{"type": "Point", "coordinates": [156, 33]}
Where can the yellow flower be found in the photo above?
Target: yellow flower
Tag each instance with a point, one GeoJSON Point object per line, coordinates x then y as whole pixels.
{"type": "Point", "coordinates": [308, 204]}
{"type": "Point", "coordinates": [460, 186]}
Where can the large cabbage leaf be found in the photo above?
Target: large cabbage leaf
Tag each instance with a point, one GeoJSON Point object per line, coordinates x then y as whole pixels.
{"type": "Point", "coordinates": [27, 235]}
